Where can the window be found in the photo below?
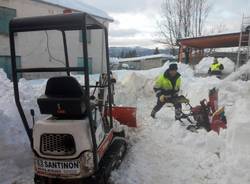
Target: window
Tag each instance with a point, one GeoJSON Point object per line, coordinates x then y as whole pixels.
{"type": "Point", "coordinates": [88, 36]}
{"type": "Point", "coordinates": [5, 64]}
{"type": "Point", "coordinates": [81, 64]}
{"type": "Point", "coordinates": [6, 14]}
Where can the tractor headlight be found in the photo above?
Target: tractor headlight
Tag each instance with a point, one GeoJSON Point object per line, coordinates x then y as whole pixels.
{"type": "Point", "coordinates": [88, 161]}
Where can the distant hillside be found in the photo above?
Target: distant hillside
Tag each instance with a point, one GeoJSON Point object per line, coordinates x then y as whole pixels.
{"type": "Point", "coordinates": [140, 51]}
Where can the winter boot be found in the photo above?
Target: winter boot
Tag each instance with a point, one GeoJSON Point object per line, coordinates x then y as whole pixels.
{"type": "Point", "coordinates": [153, 114]}
{"type": "Point", "coordinates": [178, 114]}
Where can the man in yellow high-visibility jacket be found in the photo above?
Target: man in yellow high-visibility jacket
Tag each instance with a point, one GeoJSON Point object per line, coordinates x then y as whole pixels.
{"type": "Point", "coordinates": [216, 68]}
{"type": "Point", "coordinates": [166, 87]}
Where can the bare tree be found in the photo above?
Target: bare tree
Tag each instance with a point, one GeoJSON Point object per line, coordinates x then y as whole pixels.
{"type": "Point", "coordinates": [219, 28]}
{"type": "Point", "coordinates": [182, 18]}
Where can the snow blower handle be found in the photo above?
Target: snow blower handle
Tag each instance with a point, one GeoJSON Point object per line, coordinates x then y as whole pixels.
{"type": "Point", "coordinates": [92, 97]}
{"type": "Point", "coordinates": [204, 103]}
{"type": "Point", "coordinates": [182, 99]}
{"type": "Point", "coordinates": [206, 106]}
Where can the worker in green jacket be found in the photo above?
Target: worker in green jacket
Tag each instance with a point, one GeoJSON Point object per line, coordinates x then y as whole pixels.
{"type": "Point", "coordinates": [216, 68]}
{"type": "Point", "coordinates": [166, 87]}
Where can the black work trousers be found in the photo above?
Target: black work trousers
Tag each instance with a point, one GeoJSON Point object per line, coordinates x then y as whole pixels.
{"type": "Point", "coordinates": [160, 104]}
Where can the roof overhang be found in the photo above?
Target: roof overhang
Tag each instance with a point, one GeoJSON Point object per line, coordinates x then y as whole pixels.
{"type": "Point", "coordinates": [143, 58]}
{"type": "Point", "coordinates": [78, 7]}
{"type": "Point", "coordinates": [214, 41]}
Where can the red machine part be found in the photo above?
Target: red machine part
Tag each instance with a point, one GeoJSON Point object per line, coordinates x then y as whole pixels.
{"type": "Point", "coordinates": [218, 120]}
{"type": "Point", "coordinates": [197, 112]}
{"type": "Point", "coordinates": [125, 115]}
{"type": "Point", "coordinates": [213, 100]}
{"type": "Point", "coordinates": [104, 146]}
{"type": "Point", "coordinates": [209, 115]}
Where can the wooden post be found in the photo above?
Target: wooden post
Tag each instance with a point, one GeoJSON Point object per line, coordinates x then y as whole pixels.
{"type": "Point", "coordinates": [180, 54]}
{"type": "Point", "coordinates": [190, 55]}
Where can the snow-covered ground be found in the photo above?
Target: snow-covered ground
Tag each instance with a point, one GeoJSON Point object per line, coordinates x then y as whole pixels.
{"type": "Point", "coordinates": [161, 151]}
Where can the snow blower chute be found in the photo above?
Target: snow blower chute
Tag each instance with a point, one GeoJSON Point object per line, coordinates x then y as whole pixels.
{"type": "Point", "coordinates": [207, 115]}
{"type": "Point", "coordinates": [74, 141]}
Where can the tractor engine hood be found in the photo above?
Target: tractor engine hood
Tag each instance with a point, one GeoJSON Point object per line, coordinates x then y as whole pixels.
{"type": "Point", "coordinates": [61, 139]}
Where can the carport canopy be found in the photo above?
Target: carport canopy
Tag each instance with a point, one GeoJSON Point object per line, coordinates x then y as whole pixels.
{"type": "Point", "coordinates": [214, 41]}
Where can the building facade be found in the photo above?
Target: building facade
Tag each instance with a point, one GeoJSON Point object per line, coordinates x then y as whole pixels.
{"type": "Point", "coordinates": [45, 48]}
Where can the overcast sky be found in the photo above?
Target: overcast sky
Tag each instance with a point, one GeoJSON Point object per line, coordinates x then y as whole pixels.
{"type": "Point", "coordinates": [135, 20]}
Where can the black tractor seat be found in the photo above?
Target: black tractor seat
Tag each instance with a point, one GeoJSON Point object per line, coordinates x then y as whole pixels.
{"type": "Point", "coordinates": [64, 98]}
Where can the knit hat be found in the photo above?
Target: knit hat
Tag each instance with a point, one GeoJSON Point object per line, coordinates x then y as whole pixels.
{"type": "Point", "coordinates": [173, 66]}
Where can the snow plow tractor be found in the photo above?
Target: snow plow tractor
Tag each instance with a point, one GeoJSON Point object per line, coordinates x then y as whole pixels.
{"type": "Point", "coordinates": [73, 138]}
{"type": "Point", "coordinates": [207, 115]}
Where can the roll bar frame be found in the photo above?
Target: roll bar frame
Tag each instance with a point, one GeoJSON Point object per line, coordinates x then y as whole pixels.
{"type": "Point", "coordinates": [62, 22]}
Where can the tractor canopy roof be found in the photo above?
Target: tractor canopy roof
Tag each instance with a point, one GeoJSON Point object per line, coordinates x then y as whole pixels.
{"type": "Point", "coordinates": [73, 21]}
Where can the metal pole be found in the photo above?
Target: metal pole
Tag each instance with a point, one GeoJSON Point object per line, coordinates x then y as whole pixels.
{"type": "Point", "coordinates": [16, 90]}
{"type": "Point", "coordinates": [109, 79]}
{"type": "Point", "coordinates": [87, 90]}
{"type": "Point", "coordinates": [240, 40]}
{"type": "Point", "coordinates": [180, 53]}
{"type": "Point", "coordinates": [66, 51]}
{"type": "Point", "coordinates": [248, 44]}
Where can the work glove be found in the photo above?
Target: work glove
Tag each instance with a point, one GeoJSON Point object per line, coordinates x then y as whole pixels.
{"type": "Point", "coordinates": [175, 95]}
{"type": "Point", "coordinates": [158, 92]}
{"type": "Point", "coordinates": [163, 98]}
{"type": "Point", "coordinates": [221, 67]}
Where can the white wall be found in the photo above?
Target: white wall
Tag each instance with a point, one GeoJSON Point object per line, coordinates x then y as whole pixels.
{"type": "Point", "coordinates": [145, 64]}
{"type": "Point", "coordinates": [32, 47]}
{"type": "Point", "coordinates": [151, 63]}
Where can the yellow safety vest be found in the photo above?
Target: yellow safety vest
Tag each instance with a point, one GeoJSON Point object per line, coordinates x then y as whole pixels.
{"type": "Point", "coordinates": [215, 67]}
{"type": "Point", "coordinates": [164, 83]}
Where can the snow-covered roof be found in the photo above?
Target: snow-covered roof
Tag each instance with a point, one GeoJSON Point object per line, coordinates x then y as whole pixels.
{"type": "Point", "coordinates": [147, 57]}
{"type": "Point", "coordinates": [78, 5]}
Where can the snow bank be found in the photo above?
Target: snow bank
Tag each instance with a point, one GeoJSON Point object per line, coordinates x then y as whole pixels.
{"type": "Point", "coordinates": [164, 152]}
{"type": "Point", "coordinates": [15, 155]}
{"type": "Point", "coordinates": [204, 64]}
{"type": "Point", "coordinates": [235, 95]}
{"type": "Point", "coordinates": [135, 84]}
{"type": "Point", "coordinates": [242, 73]}
{"type": "Point", "coordinates": [8, 111]}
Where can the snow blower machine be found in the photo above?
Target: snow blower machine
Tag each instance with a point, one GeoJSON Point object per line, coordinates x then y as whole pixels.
{"type": "Point", "coordinates": [73, 137]}
{"type": "Point", "coordinates": [207, 115]}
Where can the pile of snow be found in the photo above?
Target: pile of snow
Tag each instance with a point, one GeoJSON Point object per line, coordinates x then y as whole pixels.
{"type": "Point", "coordinates": [8, 111]}
{"type": "Point", "coordinates": [134, 84]}
{"type": "Point", "coordinates": [242, 73]}
{"type": "Point", "coordinates": [164, 152]}
{"type": "Point", "coordinates": [11, 137]}
{"type": "Point", "coordinates": [15, 155]}
{"type": "Point", "coordinates": [205, 63]}
{"type": "Point", "coordinates": [236, 98]}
